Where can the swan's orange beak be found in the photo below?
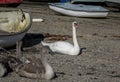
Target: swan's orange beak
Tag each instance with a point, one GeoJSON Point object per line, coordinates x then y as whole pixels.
{"type": "Point", "coordinates": [76, 25]}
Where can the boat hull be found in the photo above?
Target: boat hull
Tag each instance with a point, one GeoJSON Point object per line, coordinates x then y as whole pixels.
{"type": "Point", "coordinates": [78, 13]}
{"type": "Point", "coordinates": [113, 4]}
{"type": "Point", "coordinates": [9, 39]}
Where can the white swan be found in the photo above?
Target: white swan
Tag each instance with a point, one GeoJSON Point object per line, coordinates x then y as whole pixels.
{"type": "Point", "coordinates": [65, 47]}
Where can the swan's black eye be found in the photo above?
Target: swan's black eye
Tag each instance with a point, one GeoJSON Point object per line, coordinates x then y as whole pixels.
{"type": "Point", "coordinates": [75, 24]}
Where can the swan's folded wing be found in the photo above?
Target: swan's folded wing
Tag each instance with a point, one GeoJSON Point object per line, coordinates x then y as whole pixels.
{"type": "Point", "coordinates": [62, 46]}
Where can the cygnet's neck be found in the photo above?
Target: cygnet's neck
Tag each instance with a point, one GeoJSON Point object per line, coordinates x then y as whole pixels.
{"type": "Point", "coordinates": [49, 73]}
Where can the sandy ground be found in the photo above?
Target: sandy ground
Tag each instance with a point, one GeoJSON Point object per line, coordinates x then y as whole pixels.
{"type": "Point", "coordinates": [100, 62]}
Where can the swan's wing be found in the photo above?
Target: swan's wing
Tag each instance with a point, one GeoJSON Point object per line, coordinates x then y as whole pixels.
{"type": "Point", "coordinates": [34, 66]}
{"type": "Point", "coordinates": [61, 46]}
{"type": "Point", "coordinates": [29, 71]}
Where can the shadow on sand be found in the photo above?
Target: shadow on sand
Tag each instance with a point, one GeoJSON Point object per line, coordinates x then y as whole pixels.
{"type": "Point", "coordinates": [29, 40]}
{"type": "Point", "coordinates": [32, 39]}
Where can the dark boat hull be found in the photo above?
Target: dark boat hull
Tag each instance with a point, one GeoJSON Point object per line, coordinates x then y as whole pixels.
{"type": "Point", "coordinates": [113, 4]}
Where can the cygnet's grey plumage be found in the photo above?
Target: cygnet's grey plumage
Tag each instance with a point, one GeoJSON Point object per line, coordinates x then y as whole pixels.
{"type": "Point", "coordinates": [37, 68]}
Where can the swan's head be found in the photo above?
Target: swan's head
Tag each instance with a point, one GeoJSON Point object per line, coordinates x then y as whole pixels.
{"type": "Point", "coordinates": [75, 24]}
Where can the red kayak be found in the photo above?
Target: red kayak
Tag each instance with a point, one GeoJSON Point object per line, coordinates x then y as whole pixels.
{"type": "Point", "coordinates": [11, 2]}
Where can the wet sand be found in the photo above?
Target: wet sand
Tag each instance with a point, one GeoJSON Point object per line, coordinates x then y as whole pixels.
{"type": "Point", "coordinates": [99, 62]}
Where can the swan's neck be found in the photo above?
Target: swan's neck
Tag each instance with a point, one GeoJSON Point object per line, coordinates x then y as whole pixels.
{"type": "Point", "coordinates": [49, 73]}
{"type": "Point", "coordinates": [75, 42]}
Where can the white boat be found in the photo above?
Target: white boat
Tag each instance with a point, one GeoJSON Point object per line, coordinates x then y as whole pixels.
{"type": "Point", "coordinates": [79, 10]}
{"type": "Point", "coordinates": [13, 26]}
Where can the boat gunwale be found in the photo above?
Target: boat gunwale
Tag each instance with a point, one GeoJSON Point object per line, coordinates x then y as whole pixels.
{"type": "Point", "coordinates": [20, 32]}
{"type": "Point", "coordinates": [116, 4]}
{"type": "Point", "coordinates": [77, 10]}
{"type": "Point", "coordinates": [112, 2]}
